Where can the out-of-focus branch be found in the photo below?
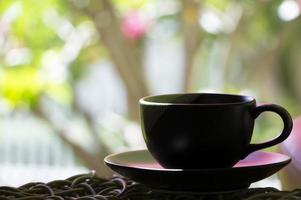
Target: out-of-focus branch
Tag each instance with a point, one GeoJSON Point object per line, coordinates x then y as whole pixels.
{"type": "Point", "coordinates": [123, 53]}
{"type": "Point", "coordinates": [93, 161]}
{"type": "Point", "coordinates": [99, 146]}
{"type": "Point", "coordinates": [192, 37]}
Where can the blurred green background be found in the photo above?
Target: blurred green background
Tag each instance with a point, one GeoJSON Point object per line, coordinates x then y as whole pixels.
{"type": "Point", "coordinates": [71, 72]}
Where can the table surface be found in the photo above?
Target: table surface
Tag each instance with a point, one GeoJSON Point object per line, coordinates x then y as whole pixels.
{"type": "Point", "coordinates": [88, 186]}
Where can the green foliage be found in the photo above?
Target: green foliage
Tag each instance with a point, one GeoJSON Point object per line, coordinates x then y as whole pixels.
{"type": "Point", "coordinates": [124, 6]}
{"type": "Point", "coordinates": [220, 5]}
{"type": "Point", "coordinates": [22, 83]}
{"type": "Point", "coordinates": [21, 86]}
{"type": "Point", "coordinates": [30, 31]}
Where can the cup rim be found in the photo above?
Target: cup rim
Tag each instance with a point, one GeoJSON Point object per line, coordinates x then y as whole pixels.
{"type": "Point", "coordinates": [246, 100]}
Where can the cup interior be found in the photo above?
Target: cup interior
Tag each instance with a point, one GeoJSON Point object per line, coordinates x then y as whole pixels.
{"type": "Point", "coordinates": [197, 99]}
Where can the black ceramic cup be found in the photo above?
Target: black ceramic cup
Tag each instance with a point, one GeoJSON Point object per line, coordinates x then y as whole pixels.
{"type": "Point", "coordinates": [204, 130]}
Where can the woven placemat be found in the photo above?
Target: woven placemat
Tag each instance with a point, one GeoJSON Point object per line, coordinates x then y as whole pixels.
{"type": "Point", "coordinates": [90, 187]}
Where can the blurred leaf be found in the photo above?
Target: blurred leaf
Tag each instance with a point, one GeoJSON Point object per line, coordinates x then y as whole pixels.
{"type": "Point", "coordinates": [89, 55]}
{"type": "Point", "coordinates": [21, 86]}
{"type": "Point", "coordinates": [220, 5]}
{"type": "Point", "coordinates": [61, 93]}
{"type": "Point", "coordinates": [124, 6]}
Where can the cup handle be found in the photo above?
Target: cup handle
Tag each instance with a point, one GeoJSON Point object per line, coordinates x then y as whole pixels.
{"type": "Point", "coordinates": [287, 128]}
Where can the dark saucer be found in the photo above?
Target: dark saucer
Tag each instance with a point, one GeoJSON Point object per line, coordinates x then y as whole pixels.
{"type": "Point", "coordinates": [140, 166]}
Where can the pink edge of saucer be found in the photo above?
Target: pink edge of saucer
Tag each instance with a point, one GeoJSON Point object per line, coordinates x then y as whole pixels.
{"type": "Point", "coordinates": [258, 158]}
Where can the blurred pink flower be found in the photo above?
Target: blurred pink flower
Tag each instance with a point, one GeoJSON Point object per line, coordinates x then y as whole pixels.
{"type": "Point", "coordinates": [134, 25]}
{"type": "Point", "coordinates": [299, 3]}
